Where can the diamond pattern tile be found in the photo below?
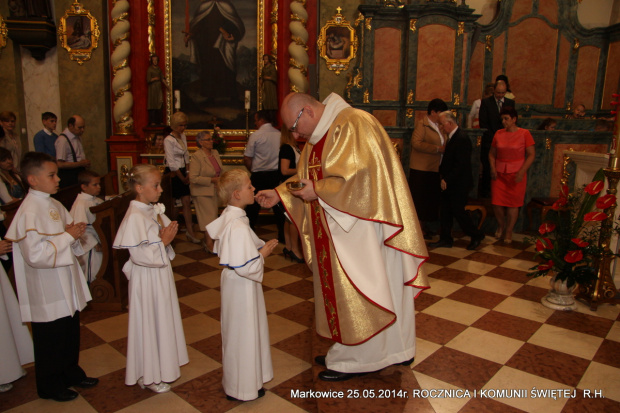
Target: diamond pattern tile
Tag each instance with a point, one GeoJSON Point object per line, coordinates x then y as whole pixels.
{"type": "Point", "coordinates": [480, 326]}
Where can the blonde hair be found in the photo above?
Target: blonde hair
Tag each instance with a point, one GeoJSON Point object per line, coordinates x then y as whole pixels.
{"type": "Point", "coordinates": [138, 174]}
{"type": "Point", "coordinates": [229, 182]}
{"type": "Point", "coordinates": [287, 138]}
{"type": "Point", "coordinates": [177, 118]}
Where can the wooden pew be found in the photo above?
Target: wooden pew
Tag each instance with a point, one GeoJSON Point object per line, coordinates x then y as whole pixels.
{"type": "Point", "coordinates": [109, 288]}
{"type": "Point", "coordinates": [66, 196]}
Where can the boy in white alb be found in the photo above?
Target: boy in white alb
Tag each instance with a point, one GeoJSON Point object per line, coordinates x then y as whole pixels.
{"type": "Point", "coordinates": [50, 284]}
{"type": "Point", "coordinates": [90, 182]}
{"type": "Point", "coordinates": [246, 355]}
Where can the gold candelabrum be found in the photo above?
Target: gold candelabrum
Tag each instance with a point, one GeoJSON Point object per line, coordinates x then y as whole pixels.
{"type": "Point", "coordinates": [602, 289]}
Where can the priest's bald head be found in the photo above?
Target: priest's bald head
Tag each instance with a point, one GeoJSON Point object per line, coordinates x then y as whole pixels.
{"type": "Point", "coordinates": [301, 113]}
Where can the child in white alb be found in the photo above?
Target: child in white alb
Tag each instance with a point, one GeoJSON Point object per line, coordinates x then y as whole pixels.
{"type": "Point", "coordinates": [155, 343]}
{"type": "Point", "coordinates": [50, 284]}
{"type": "Point", "coordinates": [246, 355]}
{"type": "Point", "coordinates": [90, 182]}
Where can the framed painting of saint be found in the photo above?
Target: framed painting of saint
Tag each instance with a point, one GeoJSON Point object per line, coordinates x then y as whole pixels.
{"type": "Point", "coordinates": [213, 49]}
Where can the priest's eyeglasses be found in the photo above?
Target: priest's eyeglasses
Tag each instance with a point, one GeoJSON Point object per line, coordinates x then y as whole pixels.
{"type": "Point", "coordinates": [293, 129]}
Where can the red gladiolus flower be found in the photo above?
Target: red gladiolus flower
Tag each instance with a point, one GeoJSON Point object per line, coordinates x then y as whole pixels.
{"type": "Point", "coordinates": [605, 201]}
{"type": "Point", "coordinates": [573, 256]}
{"type": "Point", "coordinates": [564, 191]}
{"type": "Point", "coordinates": [557, 205]}
{"type": "Point", "coordinates": [594, 187]}
{"type": "Point", "coordinates": [546, 266]}
{"type": "Point", "coordinates": [595, 216]}
{"type": "Point", "coordinates": [546, 228]}
{"type": "Point", "coordinates": [580, 243]}
{"type": "Point", "coordinates": [543, 244]}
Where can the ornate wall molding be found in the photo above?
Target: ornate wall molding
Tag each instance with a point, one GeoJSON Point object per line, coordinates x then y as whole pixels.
{"type": "Point", "coordinates": [298, 49]}
{"type": "Point", "coordinates": [121, 72]}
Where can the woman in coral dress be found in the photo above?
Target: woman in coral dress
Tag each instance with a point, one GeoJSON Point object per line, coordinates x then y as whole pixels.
{"type": "Point", "coordinates": [511, 155]}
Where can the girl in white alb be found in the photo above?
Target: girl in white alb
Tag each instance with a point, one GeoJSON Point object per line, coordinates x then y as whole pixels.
{"type": "Point", "coordinates": [155, 343]}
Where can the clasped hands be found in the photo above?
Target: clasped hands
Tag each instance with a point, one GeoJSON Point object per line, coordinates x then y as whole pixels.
{"type": "Point", "coordinates": [268, 197]}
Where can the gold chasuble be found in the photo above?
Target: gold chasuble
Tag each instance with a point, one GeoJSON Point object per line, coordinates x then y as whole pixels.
{"type": "Point", "coordinates": [360, 184]}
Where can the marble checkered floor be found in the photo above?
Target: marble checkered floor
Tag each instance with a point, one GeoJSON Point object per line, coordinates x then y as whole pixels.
{"type": "Point", "coordinates": [480, 328]}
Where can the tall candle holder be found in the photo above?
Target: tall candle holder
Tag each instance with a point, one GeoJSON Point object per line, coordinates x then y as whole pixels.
{"type": "Point", "coordinates": [247, 114]}
{"type": "Point", "coordinates": [602, 289]}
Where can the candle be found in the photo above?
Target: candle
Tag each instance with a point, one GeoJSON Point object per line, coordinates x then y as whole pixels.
{"type": "Point", "coordinates": [177, 99]}
{"type": "Point", "coordinates": [247, 100]}
{"type": "Point", "coordinates": [186, 16]}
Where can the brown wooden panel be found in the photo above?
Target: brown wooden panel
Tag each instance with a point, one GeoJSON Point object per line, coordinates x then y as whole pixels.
{"type": "Point", "coordinates": [386, 71]}
{"type": "Point", "coordinates": [498, 57]}
{"type": "Point", "coordinates": [520, 9]}
{"type": "Point", "coordinates": [476, 68]}
{"type": "Point", "coordinates": [585, 78]}
{"type": "Point", "coordinates": [385, 117]}
{"type": "Point", "coordinates": [531, 61]}
{"type": "Point", "coordinates": [435, 62]}
{"type": "Point", "coordinates": [560, 82]}
{"type": "Point", "coordinates": [549, 9]}
{"type": "Point", "coordinates": [612, 74]}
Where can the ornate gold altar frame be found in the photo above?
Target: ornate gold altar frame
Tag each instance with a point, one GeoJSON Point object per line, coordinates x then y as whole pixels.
{"type": "Point", "coordinates": [79, 33]}
{"type": "Point", "coordinates": [337, 43]}
{"type": "Point", "coordinates": [260, 39]}
{"type": "Point", "coordinates": [4, 33]}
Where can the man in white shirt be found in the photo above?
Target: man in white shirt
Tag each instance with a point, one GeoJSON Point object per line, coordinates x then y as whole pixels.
{"type": "Point", "coordinates": [70, 152]}
{"type": "Point", "coordinates": [261, 158]}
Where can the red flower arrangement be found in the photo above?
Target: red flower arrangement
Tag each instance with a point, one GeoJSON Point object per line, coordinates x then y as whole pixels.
{"type": "Point", "coordinates": [568, 240]}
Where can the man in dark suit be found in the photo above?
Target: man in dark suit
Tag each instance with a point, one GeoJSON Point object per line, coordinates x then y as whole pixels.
{"type": "Point", "coordinates": [456, 181]}
{"type": "Point", "coordinates": [492, 122]}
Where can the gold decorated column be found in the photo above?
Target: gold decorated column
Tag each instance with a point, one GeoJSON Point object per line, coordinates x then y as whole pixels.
{"type": "Point", "coordinates": [121, 72]}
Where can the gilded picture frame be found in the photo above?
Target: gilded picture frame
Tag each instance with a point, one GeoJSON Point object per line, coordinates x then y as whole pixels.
{"type": "Point", "coordinates": [79, 33]}
{"type": "Point", "coordinates": [230, 37]}
{"type": "Point", "coordinates": [4, 33]}
{"type": "Point", "coordinates": [337, 43]}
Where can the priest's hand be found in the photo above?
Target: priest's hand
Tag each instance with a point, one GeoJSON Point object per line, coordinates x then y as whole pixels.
{"type": "Point", "coordinates": [268, 248]}
{"type": "Point", "coordinates": [5, 247]}
{"type": "Point", "coordinates": [267, 198]}
{"type": "Point", "coordinates": [76, 230]}
{"type": "Point", "coordinates": [307, 192]}
{"type": "Point", "coordinates": [168, 233]}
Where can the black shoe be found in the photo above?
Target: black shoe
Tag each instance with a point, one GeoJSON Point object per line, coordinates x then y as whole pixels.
{"type": "Point", "coordinates": [295, 258]}
{"type": "Point", "coordinates": [261, 393]}
{"type": "Point", "coordinates": [65, 395]}
{"type": "Point", "coordinates": [406, 362]}
{"type": "Point", "coordinates": [286, 252]}
{"type": "Point", "coordinates": [87, 383]}
{"type": "Point", "coordinates": [441, 244]}
{"type": "Point", "coordinates": [331, 375]}
{"type": "Point", "coordinates": [320, 360]}
{"type": "Point", "coordinates": [475, 243]}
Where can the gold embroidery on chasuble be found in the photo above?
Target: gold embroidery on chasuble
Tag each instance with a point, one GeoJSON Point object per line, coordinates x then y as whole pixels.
{"type": "Point", "coordinates": [322, 244]}
{"type": "Point", "coordinates": [350, 318]}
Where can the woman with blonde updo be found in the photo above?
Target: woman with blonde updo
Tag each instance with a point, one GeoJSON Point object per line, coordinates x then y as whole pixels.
{"type": "Point", "coordinates": [177, 160]}
{"type": "Point", "coordinates": [155, 342]}
{"type": "Point", "coordinates": [204, 172]}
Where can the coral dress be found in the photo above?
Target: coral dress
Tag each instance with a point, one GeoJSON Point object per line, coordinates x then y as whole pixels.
{"type": "Point", "coordinates": [509, 159]}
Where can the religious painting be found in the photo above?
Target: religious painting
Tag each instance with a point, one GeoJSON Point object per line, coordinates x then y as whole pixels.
{"type": "Point", "coordinates": [79, 33]}
{"type": "Point", "coordinates": [337, 43]}
{"type": "Point", "coordinates": [213, 53]}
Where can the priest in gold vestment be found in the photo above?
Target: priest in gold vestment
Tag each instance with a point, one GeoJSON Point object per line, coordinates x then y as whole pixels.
{"type": "Point", "coordinates": [360, 235]}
